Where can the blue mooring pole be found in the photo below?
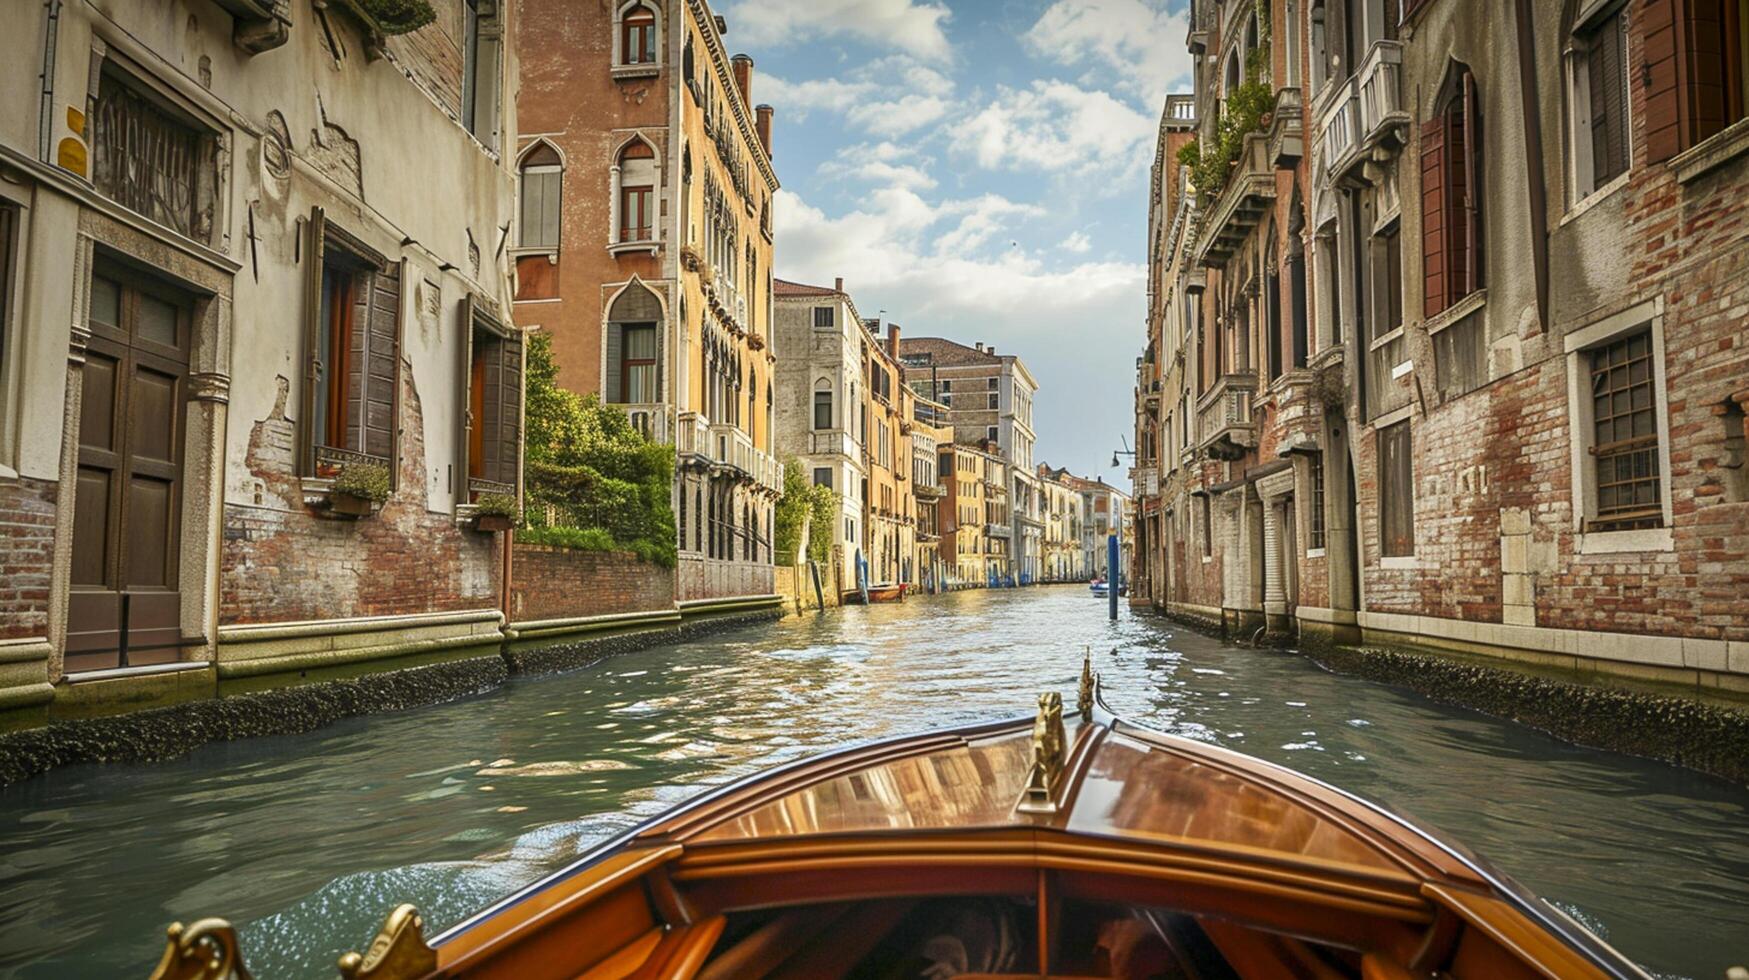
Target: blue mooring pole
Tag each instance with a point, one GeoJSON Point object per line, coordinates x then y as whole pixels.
{"type": "Point", "coordinates": [1112, 575]}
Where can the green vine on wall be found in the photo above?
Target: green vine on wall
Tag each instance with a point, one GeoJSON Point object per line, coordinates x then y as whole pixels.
{"type": "Point", "coordinates": [1246, 107]}
{"type": "Point", "coordinates": [591, 480]}
{"type": "Point", "coordinates": [803, 502]}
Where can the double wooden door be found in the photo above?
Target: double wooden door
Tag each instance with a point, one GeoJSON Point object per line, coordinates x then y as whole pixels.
{"type": "Point", "coordinates": [125, 606]}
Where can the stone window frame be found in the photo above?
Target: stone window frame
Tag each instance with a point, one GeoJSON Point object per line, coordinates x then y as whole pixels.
{"type": "Point", "coordinates": [1577, 344]}
{"type": "Point", "coordinates": [523, 167]}
{"type": "Point", "coordinates": [615, 244]}
{"type": "Point", "coordinates": [14, 238]}
{"type": "Point", "coordinates": [623, 69]}
{"type": "Point", "coordinates": [142, 70]}
{"type": "Point", "coordinates": [1403, 417]}
{"type": "Point", "coordinates": [1583, 192]}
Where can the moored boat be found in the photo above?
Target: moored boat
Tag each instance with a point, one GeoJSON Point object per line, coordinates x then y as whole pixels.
{"type": "Point", "coordinates": [878, 593]}
{"type": "Point", "coordinates": [1024, 847]}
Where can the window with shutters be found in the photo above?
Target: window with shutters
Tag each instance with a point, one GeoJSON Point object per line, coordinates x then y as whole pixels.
{"type": "Point", "coordinates": [352, 359]}
{"type": "Point", "coordinates": [1396, 492]}
{"type": "Point", "coordinates": [542, 176]}
{"type": "Point", "coordinates": [1452, 222]}
{"type": "Point", "coordinates": [634, 375]}
{"type": "Point", "coordinates": [1695, 67]}
{"type": "Point", "coordinates": [1597, 94]}
{"type": "Point", "coordinates": [482, 69]}
{"type": "Point", "coordinates": [492, 447]}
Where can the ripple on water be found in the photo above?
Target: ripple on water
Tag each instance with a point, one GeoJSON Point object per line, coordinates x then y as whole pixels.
{"type": "Point", "coordinates": [308, 840]}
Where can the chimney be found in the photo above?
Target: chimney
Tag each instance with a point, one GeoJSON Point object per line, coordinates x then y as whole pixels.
{"type": "Point", "coordinates": [838, 285]}
{"type": "Point", "coordinates": [980, 346]}
{"type": "Point", "coordinates": [990, 349]}
{"type": "Point", "coordinates": [893, 340]}
{"type": "Point", "coordinates": [762, 125]}
{"type": "Point", "coordinates": [742, 66]}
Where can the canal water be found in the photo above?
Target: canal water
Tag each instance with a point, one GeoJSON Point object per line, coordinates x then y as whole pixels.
{"type": "Point", "coordinates": [306, 841]}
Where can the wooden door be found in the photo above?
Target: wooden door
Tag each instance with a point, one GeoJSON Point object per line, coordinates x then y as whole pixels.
{"type": "Point", "coordinates": [125, 606]}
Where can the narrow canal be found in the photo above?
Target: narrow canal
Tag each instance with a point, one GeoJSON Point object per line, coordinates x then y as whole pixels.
{"type": "Point", "coordinates": [306, 841]}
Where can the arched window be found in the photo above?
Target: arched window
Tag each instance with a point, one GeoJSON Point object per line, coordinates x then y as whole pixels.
{"type": "Point", "coordinates": [634, 321]}
{"type": "Point", "coordinates": [822, 404]}
{"type": "Point", "coordinates": [1451, 193]}
{"type": "Point", "coordinates": [637, 35]}
{"type": "Point", "coordinates": [1597, 97]}
{"type": "Point", "coordinates": [636, 193]}
{"type": "Point", "coordinates": [542, 173]}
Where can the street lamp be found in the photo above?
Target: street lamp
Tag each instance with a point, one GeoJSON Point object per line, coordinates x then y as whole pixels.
{"type": "Point", "coordinates": [1125, 451]}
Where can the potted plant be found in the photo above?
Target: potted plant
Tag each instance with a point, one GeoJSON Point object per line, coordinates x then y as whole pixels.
{"type": "Point", "coordinates": [359, 489]}
{"type": "Point", "coordinates": [495, 512]}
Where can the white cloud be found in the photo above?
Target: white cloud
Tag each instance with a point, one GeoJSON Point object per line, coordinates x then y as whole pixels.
{"type": "Point", "coordinates": [904, 176]}
{"type": "Point", "coordinates": [905, 25]}
{"type": "Point", "coordinates": [1138, 40]}
{"type": "Point", "coordinates": [1077, 242]}
{"type": "Point", "coordinates": [899, 116]}
{"type": "Point", "coordinates": [1054, 126]}
{"type": "Point", "coordinates": [1075, 324]}
{"type": "Point", "coordinates": [798, 98]}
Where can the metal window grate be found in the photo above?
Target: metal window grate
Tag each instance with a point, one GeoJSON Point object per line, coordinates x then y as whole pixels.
{"type": "Point", "coordinates": [1315, 534]}
{"type": "Point", "coordinates": [1624, 436]}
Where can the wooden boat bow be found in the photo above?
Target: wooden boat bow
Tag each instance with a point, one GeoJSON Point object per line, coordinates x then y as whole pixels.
{"type": "Point", "coordinates": [1092, 840]}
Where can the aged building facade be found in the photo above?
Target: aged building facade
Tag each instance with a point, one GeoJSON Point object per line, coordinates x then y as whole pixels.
{"type": "Point", "coordinates": [989, 398]}
{"type": "Point", "coordinates": [885, 424]}
{"type": "Point", "coordinates": [222, 306]}
{"type": "Point", "coordinates": [819, 400]}
{"type": "Point", "coordinates": [1509, 415]}
{"type": "Point", "coordinates": [644, 246]}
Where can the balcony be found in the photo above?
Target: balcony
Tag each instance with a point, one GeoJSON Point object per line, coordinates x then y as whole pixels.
{"type": "Point", "coordinates": [651, 420]}
{"type": "Point", "coordinates": [830, 442]}
{"type": "Point", "coordinates": [995, 530]}
{"type": "Point", "coordinates": [1151, 396]}
{"type": "Point", "coordinates": [1366, 123]}
{"type": "Point", "coordinates": [1225, 417]}
{"type": "Point", "coordinates": [731, 451]}
{"type": "Point", "coordinates": [1247, 197]}
{"type": "Point", "coordinates": [692, 442]}
{"type": "Point", "coordinates": [1287, 130]}
{"type": "Point", "coordinates": [928, 491]}
{"type": "Point", "coordinates": [1146, 480]}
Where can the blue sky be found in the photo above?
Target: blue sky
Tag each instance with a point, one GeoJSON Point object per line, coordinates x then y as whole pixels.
{"type": "Point", "coordinates": [979, 171]}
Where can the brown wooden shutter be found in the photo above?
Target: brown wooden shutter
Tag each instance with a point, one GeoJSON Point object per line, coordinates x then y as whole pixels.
{"type": "Point", "coordinates": [315, 238]}
{"type": "Point", "coordinates": [373, 370]}
{"type": "Point", "coordinates": [1433, 217]}
{"type": "Point", "coordinates": [1658, 74]}
{"type": "Point", "coordinates": [1608, 111]}
{"type": "Point", "coordinates": [464, 402]}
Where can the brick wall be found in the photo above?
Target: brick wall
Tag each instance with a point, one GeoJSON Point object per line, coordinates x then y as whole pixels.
{"type": "Point", "coordinates": [557, 583]}
{"type": "Point", "coordinates": [27, 527]}
{"type": "Point", "coordinates": [283, 561]}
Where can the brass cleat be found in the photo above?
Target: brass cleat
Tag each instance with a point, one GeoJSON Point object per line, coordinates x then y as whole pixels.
{"type": "Point", "coordinates": [398, 952]}
{"type": "Point", "coordinates": [207, 950]}
{"type": "Point", "coordinates": [1047, 757]}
